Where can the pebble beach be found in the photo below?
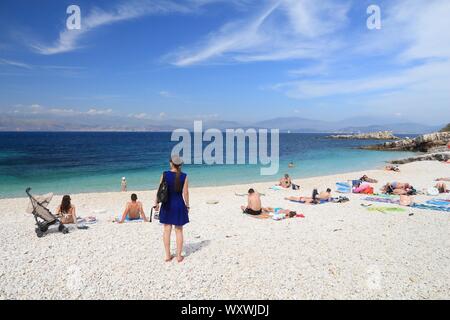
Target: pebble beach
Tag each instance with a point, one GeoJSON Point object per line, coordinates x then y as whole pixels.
{"type": "Point", "coordinates": [337, 251]}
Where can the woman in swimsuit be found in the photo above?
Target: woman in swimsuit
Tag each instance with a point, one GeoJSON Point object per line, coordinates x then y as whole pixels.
{"type": "Point", "coordinates": [66, 211]}
{"type": "Point", "coordinates": [316, 197]}
{"type": "Point", "coordinates": [286, 181]}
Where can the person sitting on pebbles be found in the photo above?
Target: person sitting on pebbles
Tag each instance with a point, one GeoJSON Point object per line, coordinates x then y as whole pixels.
{"type": "Point", "coordinates": [253, 207]}
{"type": "Point", "coordinates": [133, 210]}
{"type": "Point", "coordinates": [66, 211]}
{"type": "Point", "coordinates": [286, 183]}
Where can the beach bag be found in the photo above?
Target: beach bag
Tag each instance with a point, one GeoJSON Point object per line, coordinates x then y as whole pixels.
{"type": "Point", "coordinates": [163, 191]}
{"type": "Point", "coordinates": [155, 215]}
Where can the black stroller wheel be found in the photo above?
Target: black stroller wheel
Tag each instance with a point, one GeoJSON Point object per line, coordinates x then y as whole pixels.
{"type": "Point", "coordinates": [39, 233]}
{"type": "Point", "coordinates": [43, 229]}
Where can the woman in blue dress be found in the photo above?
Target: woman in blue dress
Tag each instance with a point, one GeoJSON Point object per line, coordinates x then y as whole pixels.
{"type": "Point", "coordinates": [175, 211]}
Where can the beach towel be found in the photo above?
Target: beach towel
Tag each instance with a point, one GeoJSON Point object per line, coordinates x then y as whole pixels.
{"type": "Point", "coordinates": [430, 207]}
{"type": "Point", "coordinates": [438, 202]}
{"type": "Point", "coordinates": [128, 220]}
{"type": "Point", "coordinates": [384, 195]}
{"type": "Point", "coordinates": [276, 188]}
{"type": "Point", "coordinates": [278, 216]}
{"type": "Point", "coordinates": [87, 220]}
{"type": "Point", "coordinates": [382, 200]}
{"type": "Point", "coordinates": [343, 187]}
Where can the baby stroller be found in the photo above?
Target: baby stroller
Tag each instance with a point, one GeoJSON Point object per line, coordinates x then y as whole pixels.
{"type": "Point", "coordinates": [44, 218]}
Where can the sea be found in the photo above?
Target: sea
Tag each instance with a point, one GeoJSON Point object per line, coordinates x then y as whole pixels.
{"type": "Point", "coordinates": [80, 162]}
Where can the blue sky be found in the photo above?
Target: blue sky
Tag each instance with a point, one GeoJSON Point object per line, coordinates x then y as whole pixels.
{"type": "Point", "coordinates": [228, 60]}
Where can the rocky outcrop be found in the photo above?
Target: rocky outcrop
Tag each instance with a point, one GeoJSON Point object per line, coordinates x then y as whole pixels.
{"type": "Point", "coordinates": [423, 143]}
{"type": "Point", "coordinates": [380, 135]}
{"type": "Point", "coordinates": [441, 156]}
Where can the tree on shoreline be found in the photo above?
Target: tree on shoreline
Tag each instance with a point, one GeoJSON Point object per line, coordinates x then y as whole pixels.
{"type": "Point", "coordinates": [446, 128]}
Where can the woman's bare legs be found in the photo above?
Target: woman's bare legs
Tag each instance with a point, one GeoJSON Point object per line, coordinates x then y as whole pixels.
{"type": "Point", "coordinates": [179, 235]}
{"type": "Point", "coordinates": [166, 240]}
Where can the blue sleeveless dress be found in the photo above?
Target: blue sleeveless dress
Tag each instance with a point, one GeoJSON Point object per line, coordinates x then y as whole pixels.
{"type": "Point", "coordinates": [174, 211]}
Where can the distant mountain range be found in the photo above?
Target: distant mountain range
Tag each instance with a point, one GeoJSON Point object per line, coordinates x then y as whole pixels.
{"type": "Point", "coordinates": [11, 122]}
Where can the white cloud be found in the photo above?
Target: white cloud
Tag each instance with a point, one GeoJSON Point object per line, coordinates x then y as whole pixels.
{"type": "Point", "coordinates": [285, 29]}
{"type": "Point", "coordinates": [69, 39]}
{"type": "Point", "coordinates": [140, 116]}
{"type": "Point", "coordinates": [15, 64]}
{"type": "Point", "coordinates": [437, 71]}
{"type": "Point", "coordinates": [39, 109]}
{"type": "Point", "coordinates": [96, 112]}
{"type": "Point", "coordinates": [410, 56]}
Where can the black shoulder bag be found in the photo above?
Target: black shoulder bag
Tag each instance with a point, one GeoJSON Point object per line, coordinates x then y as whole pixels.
{"type": "Point", "coordinates": [163, 192]}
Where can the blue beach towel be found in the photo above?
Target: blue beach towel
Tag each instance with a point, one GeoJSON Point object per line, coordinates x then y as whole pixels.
{"type": "Point", "coordinates": [429, 207]}
{"type": "Point", "coordinates": [127, 220]}
{"type": "Point", "coordinates": [438, 202]}
{"type": "Point", "coordinates": [343, 187]}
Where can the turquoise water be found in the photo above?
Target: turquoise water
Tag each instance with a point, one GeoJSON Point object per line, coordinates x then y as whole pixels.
{"type": "Point", "coordinates": [90, 162]}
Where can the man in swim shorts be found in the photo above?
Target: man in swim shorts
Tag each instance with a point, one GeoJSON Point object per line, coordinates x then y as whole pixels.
{"type": "Point", "coordinates": [254, 203]}
{"type": "Point", "coordinates": [134, 210]}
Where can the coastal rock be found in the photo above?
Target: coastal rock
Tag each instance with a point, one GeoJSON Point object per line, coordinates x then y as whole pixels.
{"type": "Point", "coordinates": [423, 143]}
{"type": "Point", "coordinates": [441, 156]}
{"type": "Point", "coordinates": [380, 135]}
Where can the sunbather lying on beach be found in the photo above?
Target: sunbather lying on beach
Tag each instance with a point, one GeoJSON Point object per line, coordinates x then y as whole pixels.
{"type": "Point", "coordinates": [254, 203]}
{"type": "Point", "coordinates": [398, 188]}
{"type": "Point", "coordinates": [316, 197]}
{"type": "Point", "coordinates": [287, 212]}
{"type": "Point", "coordinates": [286, 182]}
{"type": "Point", "coordinates": [133, 210]}
{"type": "Point", "coordinates": [367, 179]}
{"type": "Point", "coordinates": [66, 211]}
{"type": "Point", "coordinates": [443, 179]}
{"type": "Point", "coordinates": [392, 168]}
{"type": "Point", "coordinates": [441, 187]}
